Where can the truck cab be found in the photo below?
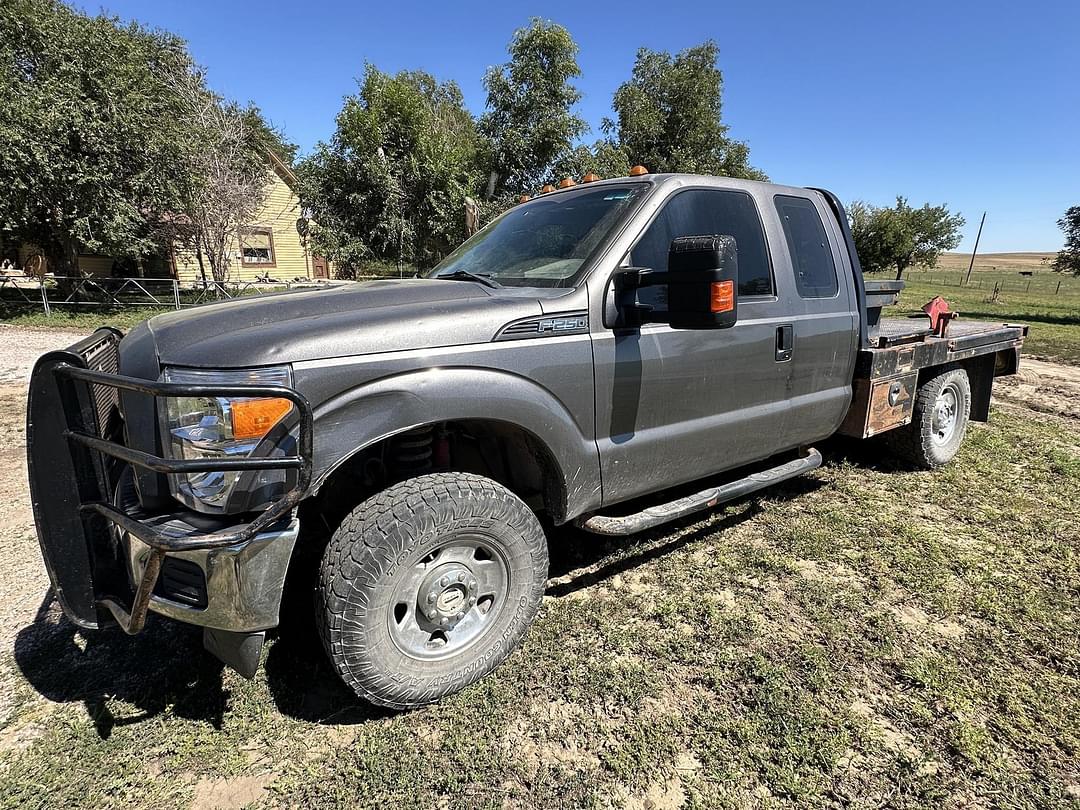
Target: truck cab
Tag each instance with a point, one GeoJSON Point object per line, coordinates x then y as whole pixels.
{"type": "Point", "coordinates": [614, 354]}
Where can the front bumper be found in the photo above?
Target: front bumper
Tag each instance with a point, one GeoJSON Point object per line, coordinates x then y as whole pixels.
{"type": "Point", "coordinates": [236, 588]}
{"type": "Point", "coordinates": [103, 554]}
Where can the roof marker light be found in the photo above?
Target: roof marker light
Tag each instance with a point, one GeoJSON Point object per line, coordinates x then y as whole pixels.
{"type": "Point", "coordinates": [547, 187]}
{"type": "Point", "coordinates": [590, 178]}
{"type": "Point", "coordinates": [566, 182]}
{"type": "Point", "coordinates": [638, 170]}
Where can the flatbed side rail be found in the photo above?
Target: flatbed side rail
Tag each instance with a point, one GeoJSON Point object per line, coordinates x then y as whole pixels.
{"type": "Point", "coordinates": [919, 350]}
{"type": "Point", "coordinates": [72, 391]}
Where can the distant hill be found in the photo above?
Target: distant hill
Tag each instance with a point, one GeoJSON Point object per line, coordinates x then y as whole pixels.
{"type": "Point", "coordinates": [997, 262]}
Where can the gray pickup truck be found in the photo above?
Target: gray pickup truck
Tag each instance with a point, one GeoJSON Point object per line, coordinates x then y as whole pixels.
{"type": "Point", "coordinates": [614, 354]}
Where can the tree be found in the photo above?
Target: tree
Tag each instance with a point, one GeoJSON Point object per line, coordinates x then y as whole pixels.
{"type": "Point", "coordinates": [529, 118]}
{"type": "Point", "coordinates": [669, 115]}
{"type": "Point", "coordinates": [393, 180]}
{"type": "Point", "coordinates": [898, 237]}
{"type": "Point", "coordinates": [1068, 259]}
{"type": "Point", "coordinates": [90, 132]}
{"type": "Point", "coordinates": [225, 149]}
{"type": "Point", "coordinates": [604, 158]}
{"type": "Point", "coordinates": [270, 137]}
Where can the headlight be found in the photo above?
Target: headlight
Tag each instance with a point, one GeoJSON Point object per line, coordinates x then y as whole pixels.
{"type": "Point", "coordinates": [227, 427]}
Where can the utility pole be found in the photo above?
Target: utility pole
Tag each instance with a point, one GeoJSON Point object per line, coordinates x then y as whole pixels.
{"type": "Point", "coordinates": [975, 250]}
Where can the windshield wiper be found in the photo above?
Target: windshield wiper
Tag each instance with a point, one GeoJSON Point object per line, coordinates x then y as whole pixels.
{"type": "Point", "coordinates": [465, 275]}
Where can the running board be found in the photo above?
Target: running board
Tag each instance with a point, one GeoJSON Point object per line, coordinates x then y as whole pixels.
{"type": "Point", "coordinates": [706, 499]}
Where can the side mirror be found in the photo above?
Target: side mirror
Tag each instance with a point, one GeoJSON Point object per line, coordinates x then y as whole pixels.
{"type": "Point", "coordinates": [699, 290]}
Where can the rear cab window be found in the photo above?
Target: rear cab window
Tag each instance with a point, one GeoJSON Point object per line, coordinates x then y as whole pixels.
{"type": "Point", "coordinates": [811, 256]}
{"type": "Point", "coordinates": [701, 212]}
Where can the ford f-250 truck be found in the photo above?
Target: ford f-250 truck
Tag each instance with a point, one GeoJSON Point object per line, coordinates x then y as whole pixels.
{"type": "Point", "coordinates": [584, 357]}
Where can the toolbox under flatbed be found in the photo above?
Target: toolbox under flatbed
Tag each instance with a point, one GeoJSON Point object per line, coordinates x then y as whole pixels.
{"type": "Point", "coordinates": [887, 371]}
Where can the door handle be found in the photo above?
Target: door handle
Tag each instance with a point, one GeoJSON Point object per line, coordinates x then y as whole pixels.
{"type": "Point", "coordinates": [785, 342]}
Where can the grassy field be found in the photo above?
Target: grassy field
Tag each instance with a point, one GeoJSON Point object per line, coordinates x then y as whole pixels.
{"type": "Point", "coordinates": [1054, 319]}
{"type": "Point", "coordinates": [866, 635]}
{"type": "Point", "coordinates": [997, 262]}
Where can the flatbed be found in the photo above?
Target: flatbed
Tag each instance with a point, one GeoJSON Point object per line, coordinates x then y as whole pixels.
{"type": "Point", "coordinates": [887, 373]}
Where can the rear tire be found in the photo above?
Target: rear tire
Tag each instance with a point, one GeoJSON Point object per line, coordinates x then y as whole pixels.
{"type": "Point", "coordinates": [939, 421]}
{"type": "Point", "coordinates": [428, 586]}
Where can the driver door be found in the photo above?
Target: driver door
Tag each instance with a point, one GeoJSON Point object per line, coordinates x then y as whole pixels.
{"type": "Point", "coordinates": [676, 405]}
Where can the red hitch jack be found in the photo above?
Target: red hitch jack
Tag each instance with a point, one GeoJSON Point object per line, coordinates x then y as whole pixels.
{"type": "Point", "coordinates": [940, 315]}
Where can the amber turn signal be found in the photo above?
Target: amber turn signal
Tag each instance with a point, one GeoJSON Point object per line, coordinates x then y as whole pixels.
{"type": "Point", "coordinates": [547, 188]}
{"type": "Point", "coordinates": [723, 296]}
{"type": "Point", "coordinates": [253, 418]}
{"type": "Point", "coordinates": [590, 178]}
{"type": "Point", "coordinates": [637, 171]}
{"type": "Point", "coordinates": [566, 182]}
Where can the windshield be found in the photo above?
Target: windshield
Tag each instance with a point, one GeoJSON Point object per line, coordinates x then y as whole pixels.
{"type": "Point", "coordinates": [546, 242]}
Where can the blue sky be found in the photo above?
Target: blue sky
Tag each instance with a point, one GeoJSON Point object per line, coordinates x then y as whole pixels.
{"type": "Point", "coordinates": [974, 104]}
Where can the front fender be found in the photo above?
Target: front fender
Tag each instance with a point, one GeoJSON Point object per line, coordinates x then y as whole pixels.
{"type": "Point", "coordinates": [376, 410]}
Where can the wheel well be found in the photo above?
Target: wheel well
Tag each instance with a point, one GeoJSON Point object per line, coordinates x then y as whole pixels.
{"type": "Point", "coordinates": [499, 450]}
{"type": "Point", "coordinates": [981, 371]}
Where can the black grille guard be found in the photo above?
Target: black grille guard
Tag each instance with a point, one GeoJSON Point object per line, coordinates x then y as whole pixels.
{"type": "Point", "coordinates": [64, 408]}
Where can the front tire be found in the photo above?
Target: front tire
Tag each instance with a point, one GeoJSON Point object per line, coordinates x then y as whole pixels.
{"type": "Point", "coordinates": [428, 586]}
{"type": "Point", "coordinates": [939, 421]}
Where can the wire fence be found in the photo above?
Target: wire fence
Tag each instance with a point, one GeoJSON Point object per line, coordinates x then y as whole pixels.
{"type": "Point", "coordinates": [89, 292]}
{"type": "Point", "coordinates": [1040, 283]}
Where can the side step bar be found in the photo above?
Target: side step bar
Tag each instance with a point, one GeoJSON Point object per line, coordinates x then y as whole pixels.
{"type": "Point", "coordinates": [706, 499]}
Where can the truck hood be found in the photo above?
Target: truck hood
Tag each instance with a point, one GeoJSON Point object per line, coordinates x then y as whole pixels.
{"type": "Point", "coordinates": [336, 321]}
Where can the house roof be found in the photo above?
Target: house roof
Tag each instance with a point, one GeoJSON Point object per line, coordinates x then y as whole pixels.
{"type": "Point", "coordinates": [283, 169]}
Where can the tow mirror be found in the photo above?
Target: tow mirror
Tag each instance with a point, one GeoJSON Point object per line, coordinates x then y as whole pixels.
{"type": "Point", "coordinates": [699, 290]}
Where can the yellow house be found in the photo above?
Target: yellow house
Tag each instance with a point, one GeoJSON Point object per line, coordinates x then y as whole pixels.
{"type": "Point", "coordinates": [269, 247]}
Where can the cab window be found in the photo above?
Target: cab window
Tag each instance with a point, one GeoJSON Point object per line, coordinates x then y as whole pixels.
{"type": "Point", "coordinates": [811, 256]}
{"type": "Point", "coordinates": [699, 212]}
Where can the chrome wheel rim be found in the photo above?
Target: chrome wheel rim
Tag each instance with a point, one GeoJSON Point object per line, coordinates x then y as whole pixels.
{"type": "Point", "coordinates": [449, 599]}
{"type": "Point", "coordinates": [945, 417]}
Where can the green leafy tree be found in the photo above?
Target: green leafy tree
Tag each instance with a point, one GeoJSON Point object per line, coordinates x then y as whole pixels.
{"type": "Point", "coordinates": [1068, 259]}
{"type": "Point", "coordinates": [268, 136]}
{"type": "Point", "coordinates": [90, 133]}
{"type": "Point", "coordinates": [529, 119]}
{"type": "Point", "coordinates": [604, 158]}
{"type": "Point", "coordinates": [393, 180]}
{"type": "Point", "coordinates": [901, 236]}
{"type": "Point", "coordinates": [668, 115]}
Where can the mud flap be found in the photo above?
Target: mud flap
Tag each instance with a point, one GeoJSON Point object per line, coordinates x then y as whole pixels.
{"type": "Point", "coordinates": [240, 651]}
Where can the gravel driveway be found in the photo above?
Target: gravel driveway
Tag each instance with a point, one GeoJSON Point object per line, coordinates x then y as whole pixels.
{"type": "Point", "coordinates": [20, 347]}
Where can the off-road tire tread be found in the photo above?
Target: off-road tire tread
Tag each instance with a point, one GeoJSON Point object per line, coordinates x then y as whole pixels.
{"type": "Point", "coordinates": [377, 532]}
{"type": "Point", "coordinates": [914, 443]}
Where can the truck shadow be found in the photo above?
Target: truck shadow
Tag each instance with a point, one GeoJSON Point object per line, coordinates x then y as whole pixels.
{"type": "Point", "coordinates": [580, 560]}
{"type": "Point", "coordinates": [298, 674]}
{"type": "Point", "coordinates": [160, 668]}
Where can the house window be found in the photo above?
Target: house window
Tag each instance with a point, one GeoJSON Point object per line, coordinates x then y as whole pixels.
{"type": "Point", "coordinates": [257, 247]}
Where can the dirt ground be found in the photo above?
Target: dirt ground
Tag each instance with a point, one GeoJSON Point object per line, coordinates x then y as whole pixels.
{"type": "Point", "coordinates": [1044, 387]}
{"type": "Point", "coordinates": [23, 580]}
